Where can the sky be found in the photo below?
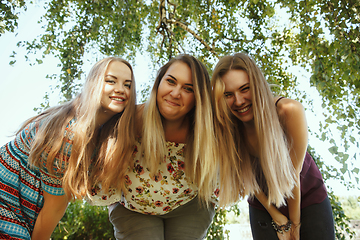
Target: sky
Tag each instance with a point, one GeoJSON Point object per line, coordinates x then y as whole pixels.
{"type": "Point", "coordinates": [22, 87]}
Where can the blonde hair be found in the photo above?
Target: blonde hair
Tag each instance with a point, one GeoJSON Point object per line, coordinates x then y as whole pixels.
{"type": "Point", "coordinates": [200, 144]}
{"type": "Point", "coordinates": [241, 174]}
{"type": "Point", "coordinates": [116, 138]}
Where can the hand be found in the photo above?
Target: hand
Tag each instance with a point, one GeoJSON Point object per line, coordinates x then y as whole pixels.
{"type": "Point", "coordinates": [280, 219]}
{"type": "Point", "coordinates": [284, 231]}
{"type": "Point", "coordinates": [295, 232]}
{"type": "Point", "coordinates": [284, 236]}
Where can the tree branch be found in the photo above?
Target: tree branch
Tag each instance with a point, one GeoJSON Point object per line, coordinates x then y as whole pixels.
{"type": "Point", "coordinates": [186, 28]}
{"type": "Point", "coordinates": [165, 23]}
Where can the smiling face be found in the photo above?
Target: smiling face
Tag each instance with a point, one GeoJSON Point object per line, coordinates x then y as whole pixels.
{"type": "Point", "coordinates": [238, 95]}
{"type": "Point", "coordinates": [175, 94]}
{"type": "Point", "coordinates": [116, 89]}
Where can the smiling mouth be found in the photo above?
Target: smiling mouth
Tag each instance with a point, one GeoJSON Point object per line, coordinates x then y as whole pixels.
{"type": "Point", "coordinates": [118, 99]}
{"type": "Point", "coordinates": [171, 103]}
{"type": "Point", "coordinates": [242, 110]}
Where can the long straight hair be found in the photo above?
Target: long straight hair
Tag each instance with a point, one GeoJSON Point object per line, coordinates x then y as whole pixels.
{"type": "Point", "coordinates": [200, 151]}
{"type": "Point", "coordinates": [117, 137]}
{"type": "Point", "coordinates": [240, 173]}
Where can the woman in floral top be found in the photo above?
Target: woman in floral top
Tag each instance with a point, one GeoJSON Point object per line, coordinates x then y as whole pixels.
{"type": "Point", "coordinates": [174, 169]}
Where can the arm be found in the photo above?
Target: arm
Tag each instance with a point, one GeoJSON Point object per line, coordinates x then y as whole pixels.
{"type": "Point", "coordinates": [49, 216]}
{"type": "Point", "coordinates": [275, 214]}
{"type": "Point", "coordinates": [292, 117]}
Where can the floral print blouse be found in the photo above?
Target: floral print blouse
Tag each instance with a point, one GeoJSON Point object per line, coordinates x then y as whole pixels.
{"type": "Point", "coordinates": [154, 195]}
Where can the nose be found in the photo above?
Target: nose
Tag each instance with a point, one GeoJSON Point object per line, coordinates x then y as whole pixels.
{"type": "Point", "coordinates": [175, 93]}
{"type": "Point", "coordinates": [239, 99]}
{"type": "Point", "coordinates": [119, 88]}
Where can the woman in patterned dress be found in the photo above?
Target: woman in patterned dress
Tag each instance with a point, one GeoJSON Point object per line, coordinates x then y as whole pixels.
{"type": "Point", "coordinates": [51, 160]}
{"type": "Point", "coordinates": [174, 159]}
{"type": "Point", "coordinates": [264, 141]}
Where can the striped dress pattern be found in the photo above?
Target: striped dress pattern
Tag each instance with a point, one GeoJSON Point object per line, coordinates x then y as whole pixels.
{"type": "Point", "coordinates": [22, 185]}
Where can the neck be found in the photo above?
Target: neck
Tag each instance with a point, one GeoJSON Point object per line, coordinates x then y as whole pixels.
{"type": "Point", "coordinates": [176, 131]}
{"type": "Point", "coordinates": [249, 126]}
{"type": "Point", "coordinates": [101, 118]}
{"type": "Point", "coordinates": [251, 138]}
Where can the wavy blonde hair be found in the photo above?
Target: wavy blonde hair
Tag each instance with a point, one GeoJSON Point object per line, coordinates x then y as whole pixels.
{"type": "Point", "coordinates": [240, 173]}
{"type": "Point", "coordinates": [200, 144]}
{"type": "Point", "coordinates": [117, 137]}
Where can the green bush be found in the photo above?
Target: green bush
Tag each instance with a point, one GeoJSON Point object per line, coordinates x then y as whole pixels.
{"type": "Point", "coordinates": [216, 229]}
{"type": "Point", "coordinates": [342, 227]}
{"type": "Point", "coordinates": [83, 221]}
{"type": "Point", "coordinates": [351, 207]}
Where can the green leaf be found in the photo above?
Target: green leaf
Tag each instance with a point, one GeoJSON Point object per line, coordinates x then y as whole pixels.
{"type": "Point", "coordinates": [76, 32]}
{"type": "Point", "coordinates": [333, 150]}
{"type": "Point", "coordinates": [344, 169]}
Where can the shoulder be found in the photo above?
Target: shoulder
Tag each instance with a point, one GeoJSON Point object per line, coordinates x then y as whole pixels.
{"type": "Point", "coordinates": [293, 120]}
{"type": "Point", "coordinates": [30, 130]}
{"type": "Point", "coordinates": [289, 108]}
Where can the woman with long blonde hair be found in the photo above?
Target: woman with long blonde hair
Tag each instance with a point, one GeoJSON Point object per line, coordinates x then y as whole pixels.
{"type": "Point", "coordinates": [174, 160]}
{"type": "Point", "coordinates": [53, 157]}
{"type": "Point", "coordinates": [263, 140]}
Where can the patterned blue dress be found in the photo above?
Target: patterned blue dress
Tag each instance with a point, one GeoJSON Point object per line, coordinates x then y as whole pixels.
{"type": "Point", "coordinates": [22, 186]}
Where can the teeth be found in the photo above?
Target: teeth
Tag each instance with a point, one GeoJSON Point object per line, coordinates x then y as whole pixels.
{"type": "Point", "coordinates": [243, 110]}
{"type": "Point", "coordinates": [118, 99]}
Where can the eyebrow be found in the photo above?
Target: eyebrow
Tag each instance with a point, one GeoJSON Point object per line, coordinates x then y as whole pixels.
{"type": "Point", "coordinates": [172, 77]}
{"type": "Point", "coordinates": [245, 85]}
{"type": "Point", "coordinates": [187, 84]}
{"type": "Point", "coordinates": [109, 75]}
{"type": "Point", "coordinates": [240, 88]}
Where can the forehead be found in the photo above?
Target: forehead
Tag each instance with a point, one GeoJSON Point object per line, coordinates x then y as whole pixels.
{"type": "Point", "coordinates": [181, 71]}
{"type": "Point", "coordinates": [234, 79]}
{"type": "Point", "coordinates": [118, 68]}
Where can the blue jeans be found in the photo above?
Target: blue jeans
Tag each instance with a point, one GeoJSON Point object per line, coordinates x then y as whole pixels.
{"type": "Point", "coordinates": [317, 223]}
{"type": "Point", "coordinates": [190, 221]}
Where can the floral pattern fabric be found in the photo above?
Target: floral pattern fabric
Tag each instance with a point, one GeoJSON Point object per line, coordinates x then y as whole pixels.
{"type": "Point", "coordinates": [153, 194]}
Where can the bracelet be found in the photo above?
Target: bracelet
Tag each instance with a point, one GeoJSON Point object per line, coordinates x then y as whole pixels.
{"type": "Point", "coordinates": [281, 228]}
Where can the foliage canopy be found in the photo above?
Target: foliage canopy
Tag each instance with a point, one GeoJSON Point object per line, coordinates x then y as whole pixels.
{"type": "Point", "coordinates": [321, 37]}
